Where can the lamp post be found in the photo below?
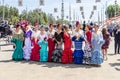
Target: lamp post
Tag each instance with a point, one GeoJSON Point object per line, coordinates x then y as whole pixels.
{"type": "Point", "coordinates": [69, 12]}
{"type": "Point", "coordinates": [62, 11]}
{"type": "Point", "coordinates": [115, 8]}
{"type": "Point", "coordinates": [3, 11]}
{"type": "Point", "coordinates": [106, 13]}
{"type": "Point", "coordinates": [98, 18]}
{"type": "Point", "coordinates": [26, 12]}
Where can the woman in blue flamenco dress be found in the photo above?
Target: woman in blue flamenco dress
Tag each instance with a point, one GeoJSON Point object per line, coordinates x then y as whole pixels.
{"type": "Point", "coordinates": [78, 52]}
{"type": "Point", "coordinates": [17, 39]}
{"type": "Point", "coordinates": [97, 42]}
{"type": "Point", "coordinates": [43, 51]}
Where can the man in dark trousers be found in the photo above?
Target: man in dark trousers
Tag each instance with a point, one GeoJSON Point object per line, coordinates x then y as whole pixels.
{"type": "Point", "coordinates": [117, 39]}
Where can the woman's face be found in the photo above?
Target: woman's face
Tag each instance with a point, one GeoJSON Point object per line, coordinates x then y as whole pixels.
{"type": "Point", "coordinates": [36, 28]}
{"type": "Point", "coordinates": [86, 28]}
{"type": "Point", "coordinates": [51, 28]}
{"type": "Point", "coordinates": [78, 27]}
{"type": "Point", "coordinates": [18, 28]}
{"type": "Point", "coordinates": [59, 28]}
{"type": "Point", "coordinates": [26, 28]}
{"type": "Point", "coordinates": [66, 30]}
{"type": "Point", "coordinates": [42, 29]}
{"type": "Point", "coordinates": [70, 27]}
{"type": "Point", "coordinates": [96, 28]}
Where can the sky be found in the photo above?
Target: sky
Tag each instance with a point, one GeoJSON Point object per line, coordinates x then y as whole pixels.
{"type": "Point", "coordinates": [75, 7]}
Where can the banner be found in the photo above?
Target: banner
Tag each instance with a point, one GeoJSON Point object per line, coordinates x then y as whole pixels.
{"type": "Point", "coordinates": [98, 0]}
{"type": "Point", "coordinates": [78, 1]}
{"type": "Point", "coordinates": [66, 17]}
{"type": "Point", "coordinates": [55, 10]}
{"type": "Point", "coordinates": [94, 7]}
{"type": "Point", "coordinates": [82, 13]}
{"type": "Point", "coordinates": [20, 3]}
{"type": "Point", "coordinates": [92, 12]}
{"type": "Point", "coordinates": [81, 8]}
{"type": "Point", "coordinates": [41, 2]}
{"type": "Point", "coordinates": [57, 17]}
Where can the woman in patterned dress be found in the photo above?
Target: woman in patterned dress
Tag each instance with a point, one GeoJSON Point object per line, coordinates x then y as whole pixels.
{"type": "Point", "coordinates": [58, 39]}
{"type": "Point", "coordinates": [17, 39]}
{"type": "Point", "coordinates": [67, 52]}
{"type": "Point", "coordinates": [87, 48]}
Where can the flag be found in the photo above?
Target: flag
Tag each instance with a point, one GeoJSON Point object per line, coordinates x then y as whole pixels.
{"type": "Point", "coordinates": [82, 13]}
{"type": "Point", "coordinates": [83, 17]}
{"type": "Point", "coordinates": [94, 7]}
{"type": "Point", "coordinates": [57, 17]}
{"type": "Point", "coordinates": [92, 12]}
{"type": "Point", "coordinates": [81, 8]}
{"type": "Point", "coordinates": [78, 1]}
{"type": "Point", "coordinates": [41, 2]}
{"type": "Point", "coordinates": [67, 17]}
{"type": "Point", "coordinates": [51, 15]}
{"type": "Point", "coordinates": [98, 0]}
{"type": "Point", "coordinates": [55, 10]}
{"type": "Point", "coordinates": [39, 10]}
{"type": "Point", "coordinates": [20, 2]}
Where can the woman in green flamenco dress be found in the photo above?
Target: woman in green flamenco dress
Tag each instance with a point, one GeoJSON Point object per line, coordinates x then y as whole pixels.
{"type": "Point", "coordinates": [17, 39]}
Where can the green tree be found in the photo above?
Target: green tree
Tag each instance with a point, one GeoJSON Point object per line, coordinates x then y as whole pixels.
{"type": "Point", "coordinates": [110, 11]}
{"type": "Point", "coordinates": [64, 21]}
{"type": "Point", "coordinates": [33, 16]}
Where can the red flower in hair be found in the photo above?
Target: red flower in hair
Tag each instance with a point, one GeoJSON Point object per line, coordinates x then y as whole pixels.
{"type": "Point", "coordinates": [51, 24]}
{"type": "Point", "coordinates": [77, 23]}
{"type": "Point", "coordinates": [36, 24]}
{"type": "Point", "coordinates": [26, 23]}
{"type": "Point", "coordinates": [58, 25]}
{"type": "Point", "coordinates": [45, 38]}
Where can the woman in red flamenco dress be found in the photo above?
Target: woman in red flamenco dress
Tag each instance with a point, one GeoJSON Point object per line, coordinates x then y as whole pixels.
{"type": "Point", "coordinates": [67, 52]}
{"type": "Point", "coordinates": [35, 56]}
{"type": "Point", "coordinates": [51, 44]}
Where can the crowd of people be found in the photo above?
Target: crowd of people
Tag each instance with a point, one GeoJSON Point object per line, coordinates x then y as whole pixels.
{"type": "Point", "coordinates": [62, 44]}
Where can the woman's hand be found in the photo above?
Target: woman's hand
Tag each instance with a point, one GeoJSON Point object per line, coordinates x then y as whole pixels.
{"type": "Point", "coordinates": [58, 42]}
{"type": "Point", "coordinates": [91, 46]}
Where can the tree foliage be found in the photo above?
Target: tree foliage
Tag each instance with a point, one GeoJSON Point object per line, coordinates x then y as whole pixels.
{"type": "Point", "coordinates": [13, 16]}
{"type": "Point", "coordinates": [110, 11]}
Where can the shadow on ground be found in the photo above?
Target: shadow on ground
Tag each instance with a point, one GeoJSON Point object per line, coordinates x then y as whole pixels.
{"type": "Point", "coordinates": [51, 64]}
{"type": "Point", "coordinates": [6, 61]}
{"type": "Point", "coordinates": [111, 54]}
{"type": "Point", "coordinates": [7, 50]}
{"type": "Point", "coordinates": [115, 65]}
{"type": "Point", "coordinates": [118, 59]}
{"type": "Point", "coordinates": [118, 69]}
{"type": "Point", "coordinates": [5, 44]}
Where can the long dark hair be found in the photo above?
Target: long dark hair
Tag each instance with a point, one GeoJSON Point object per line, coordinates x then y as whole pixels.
{"type": "Point", "coordinates": [104, 31]}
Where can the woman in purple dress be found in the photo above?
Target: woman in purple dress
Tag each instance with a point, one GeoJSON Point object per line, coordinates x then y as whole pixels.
{"type": "Point", "coordinates": [105, 46]}
{"type": "Point", "coordinates": [27, 43]}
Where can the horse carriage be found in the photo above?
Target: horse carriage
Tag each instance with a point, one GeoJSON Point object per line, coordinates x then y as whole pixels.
{"type": "Point", "coordinates": [5, 30]}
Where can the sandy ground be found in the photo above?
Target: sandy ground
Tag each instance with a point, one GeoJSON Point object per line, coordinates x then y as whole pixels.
{"type": "Point", "coordinates": [22, 70]}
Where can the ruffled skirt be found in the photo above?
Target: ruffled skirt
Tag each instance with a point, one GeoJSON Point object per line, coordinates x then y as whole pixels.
{"type": "Point", "coordinates": [78, 56]}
